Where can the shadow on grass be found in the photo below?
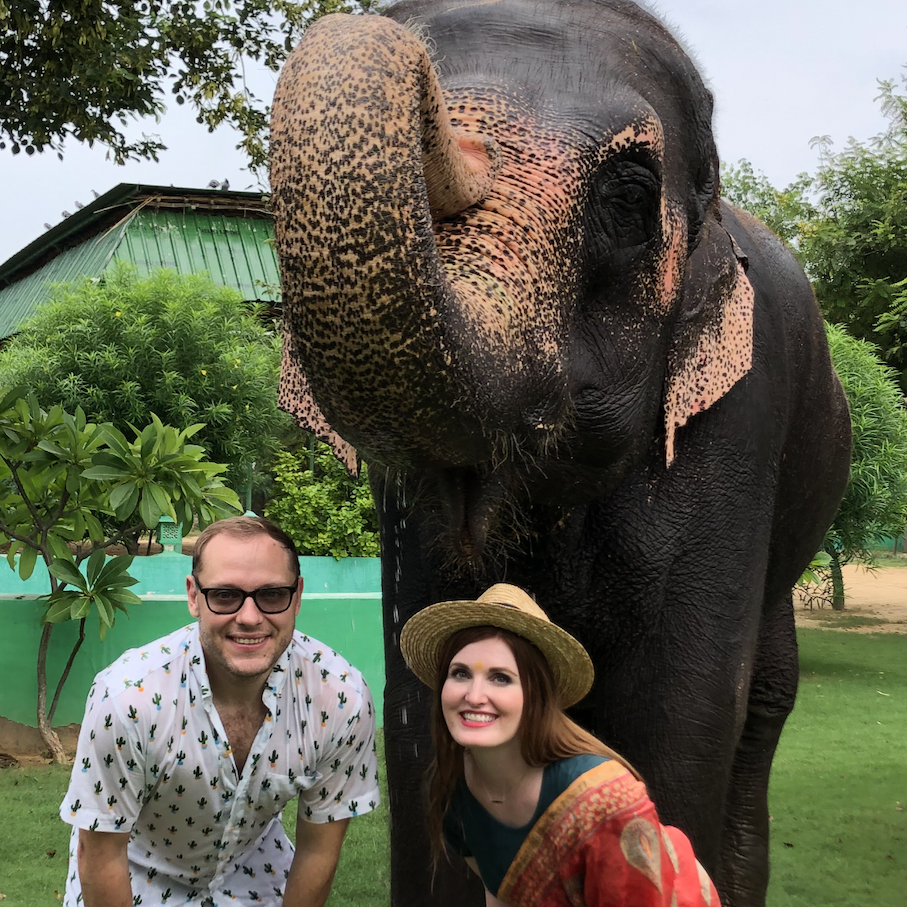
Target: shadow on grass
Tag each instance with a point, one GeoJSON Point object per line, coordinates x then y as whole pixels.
{"type": "Point", "coordinates": [835, 620]}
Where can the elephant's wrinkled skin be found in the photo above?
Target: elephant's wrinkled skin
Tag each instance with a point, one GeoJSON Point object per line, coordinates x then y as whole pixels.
{"type": "Point", "coordinates": [516, 294]}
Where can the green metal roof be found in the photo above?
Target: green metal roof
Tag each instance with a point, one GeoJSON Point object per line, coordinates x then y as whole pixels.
{"type": "Point", "coordinates": [226, 234]}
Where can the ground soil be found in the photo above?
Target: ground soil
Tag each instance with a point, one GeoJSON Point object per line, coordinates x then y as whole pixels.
{"type": "Point", "coordinates": [876, 603]}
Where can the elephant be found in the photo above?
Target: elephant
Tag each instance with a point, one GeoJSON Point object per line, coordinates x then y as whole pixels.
{"type": "Point", "coordinates": [512, 288]}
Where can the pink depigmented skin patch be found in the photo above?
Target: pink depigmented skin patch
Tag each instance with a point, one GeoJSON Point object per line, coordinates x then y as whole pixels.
{"type": "Point", "coordinates": [723, 355]}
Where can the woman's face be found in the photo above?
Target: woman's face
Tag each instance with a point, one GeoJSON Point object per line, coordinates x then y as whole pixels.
{"type": "Point", "coordinates": [482, 699]}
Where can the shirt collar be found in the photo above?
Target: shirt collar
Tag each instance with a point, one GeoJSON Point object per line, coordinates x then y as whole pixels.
{"type": "Point", "coordinates": [275, 682]}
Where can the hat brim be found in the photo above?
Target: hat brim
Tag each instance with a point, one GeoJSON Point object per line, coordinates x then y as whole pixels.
{"type": "Point", "coordinates": [425, 633]}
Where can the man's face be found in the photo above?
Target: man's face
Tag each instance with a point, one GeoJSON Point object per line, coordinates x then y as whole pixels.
{"type": "Point", "coordinates": [242, 647]}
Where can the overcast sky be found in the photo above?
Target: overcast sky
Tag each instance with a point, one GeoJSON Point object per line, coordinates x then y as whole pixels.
{"type": "Point", "coordinates": [782, 71]}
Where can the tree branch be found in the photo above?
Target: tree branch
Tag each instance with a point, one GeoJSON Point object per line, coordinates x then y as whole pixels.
{"type": "Point", "coordinates": [66, 669]}
{"type": "Point", "coordinates": [14, 472]}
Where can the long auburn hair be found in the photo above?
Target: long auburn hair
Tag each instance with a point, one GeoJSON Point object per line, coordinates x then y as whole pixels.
{"type": "Point", "coordinates": [546, 733]}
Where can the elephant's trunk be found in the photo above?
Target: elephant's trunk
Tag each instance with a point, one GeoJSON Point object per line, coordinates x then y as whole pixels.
{"type": "Point", "coordinates": [396, 346]}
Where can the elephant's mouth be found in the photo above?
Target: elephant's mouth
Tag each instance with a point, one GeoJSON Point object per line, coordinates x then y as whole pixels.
{"type": "Point", "coordinates": [484, 512]}
{"type": "Point", "coordinates": [473, 502]}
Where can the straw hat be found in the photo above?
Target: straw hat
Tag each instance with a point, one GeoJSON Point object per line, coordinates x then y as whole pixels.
{"type": "Point", "coordinates": [508, 608]}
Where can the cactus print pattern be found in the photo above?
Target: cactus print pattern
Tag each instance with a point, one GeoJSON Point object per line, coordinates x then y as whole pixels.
{"type": "Point", "coordinates": [154, 762]}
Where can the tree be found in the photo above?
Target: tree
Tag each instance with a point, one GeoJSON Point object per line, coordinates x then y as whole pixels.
{"type": "Point", "coordinates": [183, 347]}
{"type": "Point", "coordinates": [79, 70]}
{"type": "Point", "coordinates": [848, 226]}
{"type": "Point", "coordinates": [786, 212]}
{"type": "Point", "coordinates": [875, 503]}
{"type": "Point", "coordinates": [856, 250]}
{"type": "Point", "coordinates": [321, 508]}
{"type": "Point", "coordinates": [61, 478]}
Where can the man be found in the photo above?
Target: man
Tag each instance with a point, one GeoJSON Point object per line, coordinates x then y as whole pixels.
{"type": "Point", "coordinates": [191, 747]}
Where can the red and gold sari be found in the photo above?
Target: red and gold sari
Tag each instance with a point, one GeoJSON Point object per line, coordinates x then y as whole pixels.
{"type": "Point", "coordinates": [600, 844]}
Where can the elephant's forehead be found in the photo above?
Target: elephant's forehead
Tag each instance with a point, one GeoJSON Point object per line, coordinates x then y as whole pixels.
{"type": "Point", "coordinates": [512, 245]}
{"type": "Point", "coordinates": [585, 129]}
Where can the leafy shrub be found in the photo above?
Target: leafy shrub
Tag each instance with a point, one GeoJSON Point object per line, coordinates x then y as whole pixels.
{"type": "Point", "coordinates": [182, 347]}
{"type": "Point", "coordinates": [875, 503]}
{"type": "Point", "coordinates": [325, 512]}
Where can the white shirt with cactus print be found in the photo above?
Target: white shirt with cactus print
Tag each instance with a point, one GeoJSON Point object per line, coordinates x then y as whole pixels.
{"type": "Point", "coordinates": [153, 761]}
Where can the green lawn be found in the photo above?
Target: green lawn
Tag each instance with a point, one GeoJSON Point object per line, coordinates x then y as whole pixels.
{"type": "Point", "coordinates": [839, 784]}
{"type": "Point", "coordinates": [838, 795]}
{"type": "Point", "coordinates": [34, 843]}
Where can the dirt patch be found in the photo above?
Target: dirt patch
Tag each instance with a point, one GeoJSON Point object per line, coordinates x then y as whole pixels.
{"type": "Point", "coordinates": [875, 602]}
{"type": "Point", "coordinates": [23, 745]}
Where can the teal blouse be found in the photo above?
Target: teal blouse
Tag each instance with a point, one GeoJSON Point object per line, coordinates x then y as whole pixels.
{"type": "Point", "coordinates": [471, 831]}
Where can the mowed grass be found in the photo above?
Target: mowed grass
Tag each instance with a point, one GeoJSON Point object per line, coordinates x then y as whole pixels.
{"type": "Point", "coordinates": [34, 842]}
{"type": "Point", "coordinates": [838, 796]}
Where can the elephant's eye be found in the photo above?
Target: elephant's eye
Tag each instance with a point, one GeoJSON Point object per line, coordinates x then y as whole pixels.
{"type": "Point", "coordinates": [622, 214]}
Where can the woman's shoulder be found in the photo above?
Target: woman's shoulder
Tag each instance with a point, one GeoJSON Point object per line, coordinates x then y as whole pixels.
{"type": "Point", "coordinates": [562, 773]}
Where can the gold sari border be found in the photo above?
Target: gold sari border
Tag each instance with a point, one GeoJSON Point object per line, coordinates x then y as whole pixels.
{"type": "Point", "coordinates": [593, 798]}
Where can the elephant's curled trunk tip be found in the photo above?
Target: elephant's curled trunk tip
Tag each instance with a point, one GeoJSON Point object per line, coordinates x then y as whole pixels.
{"type": "Point", "coordinates": [460, 172]}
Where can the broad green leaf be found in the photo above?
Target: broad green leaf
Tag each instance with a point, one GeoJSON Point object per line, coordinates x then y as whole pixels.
{"type": "Point", "coordinates": [116, 573]}
{"type": "Point", "coordinates": [95, 564]}
{"type": "Point", "coordinates": [191, 430]}
{"type": "Point", "coordinates": [161, 499]}
{"type": "Point", "coordinates": [78, 526]}
{"type": "Point", "coordinates": [94, 527]}
{"type": "Point", "coordinates": [73, 482]}
{"type": "Point", "coordinates": [111, 459]}
{"type": "Point", "coordinates": [151, 441]}
{"type": "Point", "coordinates": [104, 473]}
{"type": "Point", "coordinates": [23, 411]}
{"type": "Point", "coordinates": [52, 448]}
{"type": "Point", "coordinates": [60, 606]}
{"type": "Point", "coordinates": [11, 396]}
{"type": "Point", "coordinates": [27, 560]}
{"type": "Point", "coordinates": [149, 511]}
{"type": "Point", "coordinates": [121, 493]}
{"type": "Point", "coordinates": [120, 598]}
{"type": "Point", "coordinates": [58, 547]}
{"type": "Point", "coordinates": [80, 608]}
{"type": "Point", "coordinates": [115, 439]}
{"type": "Point", "coordinates": [105, 609]}
{"type": "Point", "coordinates": [128, 505]}
{"type": "Point", "coordinates": [66, 571]}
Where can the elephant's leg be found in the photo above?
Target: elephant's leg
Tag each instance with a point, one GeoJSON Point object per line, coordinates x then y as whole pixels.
{"type": "Point", "coordinates": [742, 879]}
{"type": "Point", "coordinates": [410, 581]}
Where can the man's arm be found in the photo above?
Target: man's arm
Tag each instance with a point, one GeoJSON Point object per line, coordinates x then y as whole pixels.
{"type": "Point", "coordinates": [104, 869]}
{"type": "Point", "coordinates": [312, 871]}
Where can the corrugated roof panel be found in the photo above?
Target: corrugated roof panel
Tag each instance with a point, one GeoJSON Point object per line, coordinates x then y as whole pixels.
{"type": "Point", "coordinates": [262, 257]}
{"type": "Point", "coordinates": [18, 301]}
{"type": "Point", "coordinates": [235, 250]}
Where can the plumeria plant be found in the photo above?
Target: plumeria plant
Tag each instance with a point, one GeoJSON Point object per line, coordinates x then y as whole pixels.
{"type": "Point", "coordinates": [70, 489]}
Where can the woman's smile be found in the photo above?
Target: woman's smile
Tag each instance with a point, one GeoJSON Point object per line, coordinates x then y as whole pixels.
{"type": "Point", "coordinates": [477, 719]}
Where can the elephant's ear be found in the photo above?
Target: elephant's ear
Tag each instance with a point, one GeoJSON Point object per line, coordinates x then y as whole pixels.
{"type": "Point", "coordinates": [295, 397]}
{"type": "Point", "coordinates": [712, 347]}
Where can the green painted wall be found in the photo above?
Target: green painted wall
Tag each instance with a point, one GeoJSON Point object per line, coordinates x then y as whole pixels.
{"type": "Point", "coordinates": [341, 606]}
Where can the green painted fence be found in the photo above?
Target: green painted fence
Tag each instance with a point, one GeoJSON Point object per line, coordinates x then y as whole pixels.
{"type": "Point", "coordinates": [341, 606]}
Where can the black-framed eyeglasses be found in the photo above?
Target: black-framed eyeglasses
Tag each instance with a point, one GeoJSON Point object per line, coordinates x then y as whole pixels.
{"type": "Point", "coordinates": [228, 600]}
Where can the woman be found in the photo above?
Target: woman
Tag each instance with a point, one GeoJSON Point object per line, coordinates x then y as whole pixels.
{"type": "Point", "coordinates": [542, 811]}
